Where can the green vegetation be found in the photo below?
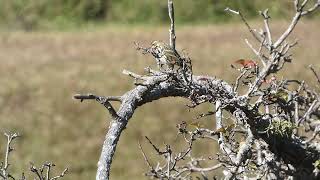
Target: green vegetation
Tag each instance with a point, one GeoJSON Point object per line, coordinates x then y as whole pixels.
{"type": "Point", "coordinates": [44, 14]}
{"type": "Point", "coordinates": [281, 128]}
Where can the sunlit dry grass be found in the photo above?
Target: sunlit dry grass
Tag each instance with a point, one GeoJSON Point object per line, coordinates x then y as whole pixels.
{"type": "Point", "coordinates": [40, 72]}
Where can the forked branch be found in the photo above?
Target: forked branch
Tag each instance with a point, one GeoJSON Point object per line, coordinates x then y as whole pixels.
{"type": "Point", "coordinates": [42, 173]}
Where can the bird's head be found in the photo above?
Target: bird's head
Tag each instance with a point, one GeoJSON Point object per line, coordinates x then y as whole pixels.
{"type": "Point", "coordinates": [156, 43]}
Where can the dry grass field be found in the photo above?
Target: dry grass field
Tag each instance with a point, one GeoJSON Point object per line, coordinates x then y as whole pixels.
{"type": "Point", "coordinates": [41, 71]}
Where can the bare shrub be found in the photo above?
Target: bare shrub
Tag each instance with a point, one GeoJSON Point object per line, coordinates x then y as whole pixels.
{"type": "Point", "coordinates": [42, 173]}
{"type": "Point", "coordinates": [269, 129]}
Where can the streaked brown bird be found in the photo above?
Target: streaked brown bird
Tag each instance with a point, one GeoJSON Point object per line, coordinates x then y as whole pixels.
{"type": "Point", "coordinates": [165, 55]}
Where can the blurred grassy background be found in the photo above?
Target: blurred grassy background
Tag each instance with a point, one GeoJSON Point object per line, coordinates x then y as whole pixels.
{"type": "Point", "coordinates": [64, 14]}
{"type": "Point", "coordinates": [41, 70]}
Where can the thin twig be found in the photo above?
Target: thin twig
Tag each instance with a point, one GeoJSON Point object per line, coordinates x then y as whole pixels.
{"type": "Point", "coordinates": [258, 53]}
{"type": "Point", "coordinates": [102, 100]}
{"type": "Point", "coordinates": [155, 147]}
{"type": "Point", "coordinates": [296, 4]}
{"type": "Point", "coordinates": [253, 32]}
{"type": "Point", "coordinates": [315, 73]}
{"type": "Point", "coordinates": [266, 25]}
{"type": "Point", "coordinates": [172, 34]}
{"type": "Point", "coordinates": [313, 106]}
{"type": "Point", "coordinates": [82, 97]}
{"type": "Point", "coordinates": [64, 172]}
{"type": "Point", "coordinates": [134, 75]}
{"type": "Point", "coordinates": [218, 114]}
{"type": "Point", "coordinates": [145, 157]}
{"type": "Point", "coordinates": [168, 164]}
{"type": "Point", "coordinates": [48, 171]}
{"type": "Point", "coordinates": [235, 88]}
{"type": "Point", "coordinates": [205, 114]}
{"type": "Point", "coordinates": [5, 166]}
{"type": "Point", "coordinates": [313, 8]}
{"type": "Point", "coordinates": [196, 169]}
{"type": "Point", "coordinates": [294, 21]}
{"type": "Point", "coordinates": [303, 4]}
{"type": "Point", "coordinates": [36, 171]}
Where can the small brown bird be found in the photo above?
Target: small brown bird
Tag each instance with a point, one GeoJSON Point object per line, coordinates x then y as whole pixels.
{"type": "Point", "coordinates": [165, 55]}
